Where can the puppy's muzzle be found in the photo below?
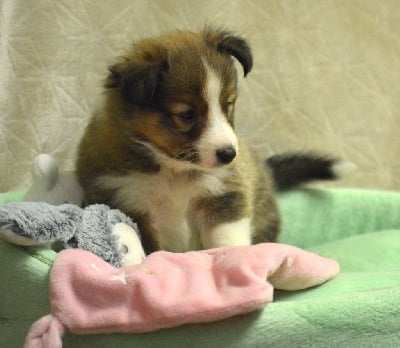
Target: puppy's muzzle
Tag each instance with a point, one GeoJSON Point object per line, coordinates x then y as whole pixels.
{"type": "Point", "coordinates": [226, 155]}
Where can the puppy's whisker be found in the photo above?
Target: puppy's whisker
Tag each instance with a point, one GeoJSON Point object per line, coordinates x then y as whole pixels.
{"type": "Point", "coordinates": [189, 154]}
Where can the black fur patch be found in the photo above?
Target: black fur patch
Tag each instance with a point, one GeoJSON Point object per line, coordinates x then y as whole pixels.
{"type": "Point", "coordinates": [292, 169]}
{"type": "Point", "coordinates": [234, 45]}
{"type": "Point", "coordinates": [138, 84]}
{"type": "Point", "coordinates": [139, 158]}
{"type": "Point", "coordinates": [228, 207]}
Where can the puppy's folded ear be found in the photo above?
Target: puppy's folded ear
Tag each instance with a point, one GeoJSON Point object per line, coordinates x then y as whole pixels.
{"type": "Point", "coordinates": [137, 77]}
{"type": "Point", "coordinates": [226, 42]}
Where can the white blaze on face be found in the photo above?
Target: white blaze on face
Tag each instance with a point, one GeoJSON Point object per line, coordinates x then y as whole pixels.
{"type": "Point", "coordinates": [218, 133]}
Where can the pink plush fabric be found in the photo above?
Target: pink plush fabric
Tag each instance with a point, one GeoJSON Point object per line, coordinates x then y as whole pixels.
{"type": "Point", "coordinates": [169, 289]}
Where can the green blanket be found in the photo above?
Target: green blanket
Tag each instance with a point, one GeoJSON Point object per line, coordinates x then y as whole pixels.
{"type": "Point", "coordinates": [359, 308]}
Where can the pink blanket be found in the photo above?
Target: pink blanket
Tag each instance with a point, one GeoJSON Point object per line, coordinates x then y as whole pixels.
{"type": "Point", "coordinates": [168, 289]}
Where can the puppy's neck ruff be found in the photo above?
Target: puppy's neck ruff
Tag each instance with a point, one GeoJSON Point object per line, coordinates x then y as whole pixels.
{"type": "Point", "coordinates": [167, 198]}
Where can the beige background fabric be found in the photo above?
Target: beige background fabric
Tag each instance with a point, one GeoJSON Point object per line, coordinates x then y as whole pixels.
{"type": "Point", "coordinates": [326, 76]}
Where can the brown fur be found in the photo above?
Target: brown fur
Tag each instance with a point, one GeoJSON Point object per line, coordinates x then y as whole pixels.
{"type": "Point", "coordinates": [145, 94]}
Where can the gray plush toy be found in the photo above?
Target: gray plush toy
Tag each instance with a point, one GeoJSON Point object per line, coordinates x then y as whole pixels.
{"type": "Point", "coordinates": [51, 214]}
{"type": "Point", "coordinates": [106, 232]}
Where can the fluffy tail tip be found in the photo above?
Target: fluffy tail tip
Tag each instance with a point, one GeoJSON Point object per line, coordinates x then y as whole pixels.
{"type": "Point", "coordinates": [341, 169]}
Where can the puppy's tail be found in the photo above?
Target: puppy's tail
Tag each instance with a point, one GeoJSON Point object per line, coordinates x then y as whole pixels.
{"type": "Point", "coordinates": [293, 169]}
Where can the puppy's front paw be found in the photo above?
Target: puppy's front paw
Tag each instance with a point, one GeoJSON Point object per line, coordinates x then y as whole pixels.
{"type": "Point", "coordinates": [129, 244]}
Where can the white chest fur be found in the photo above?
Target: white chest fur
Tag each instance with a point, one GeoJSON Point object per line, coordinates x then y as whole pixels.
{"type": "Point", "coordinates": [167, 199]}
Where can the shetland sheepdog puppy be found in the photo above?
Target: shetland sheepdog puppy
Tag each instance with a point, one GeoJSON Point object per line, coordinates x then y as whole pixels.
{"type": "Point", "coordinates": [163, 147]}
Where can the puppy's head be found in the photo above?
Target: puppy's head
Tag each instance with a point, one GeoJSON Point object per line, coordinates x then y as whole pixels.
{"type": "Point", "coordinates": [178, 93]}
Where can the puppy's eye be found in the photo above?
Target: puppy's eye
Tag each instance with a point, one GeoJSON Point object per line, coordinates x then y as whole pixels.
{"type": "Point", "coordinates": [187, 116]}
{"type": "Point", "coordinates": [227, 105]}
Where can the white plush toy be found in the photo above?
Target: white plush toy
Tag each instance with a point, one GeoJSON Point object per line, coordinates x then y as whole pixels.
{"type": "Point", "coordinates": [51, 186]}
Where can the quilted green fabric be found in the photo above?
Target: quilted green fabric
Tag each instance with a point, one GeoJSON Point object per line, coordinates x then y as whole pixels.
{"type": "Point", "coordinates": [359, 308]}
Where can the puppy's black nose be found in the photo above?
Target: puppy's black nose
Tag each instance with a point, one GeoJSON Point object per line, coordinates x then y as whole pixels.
{"type": "Point", "coordinates": [226, 154]}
